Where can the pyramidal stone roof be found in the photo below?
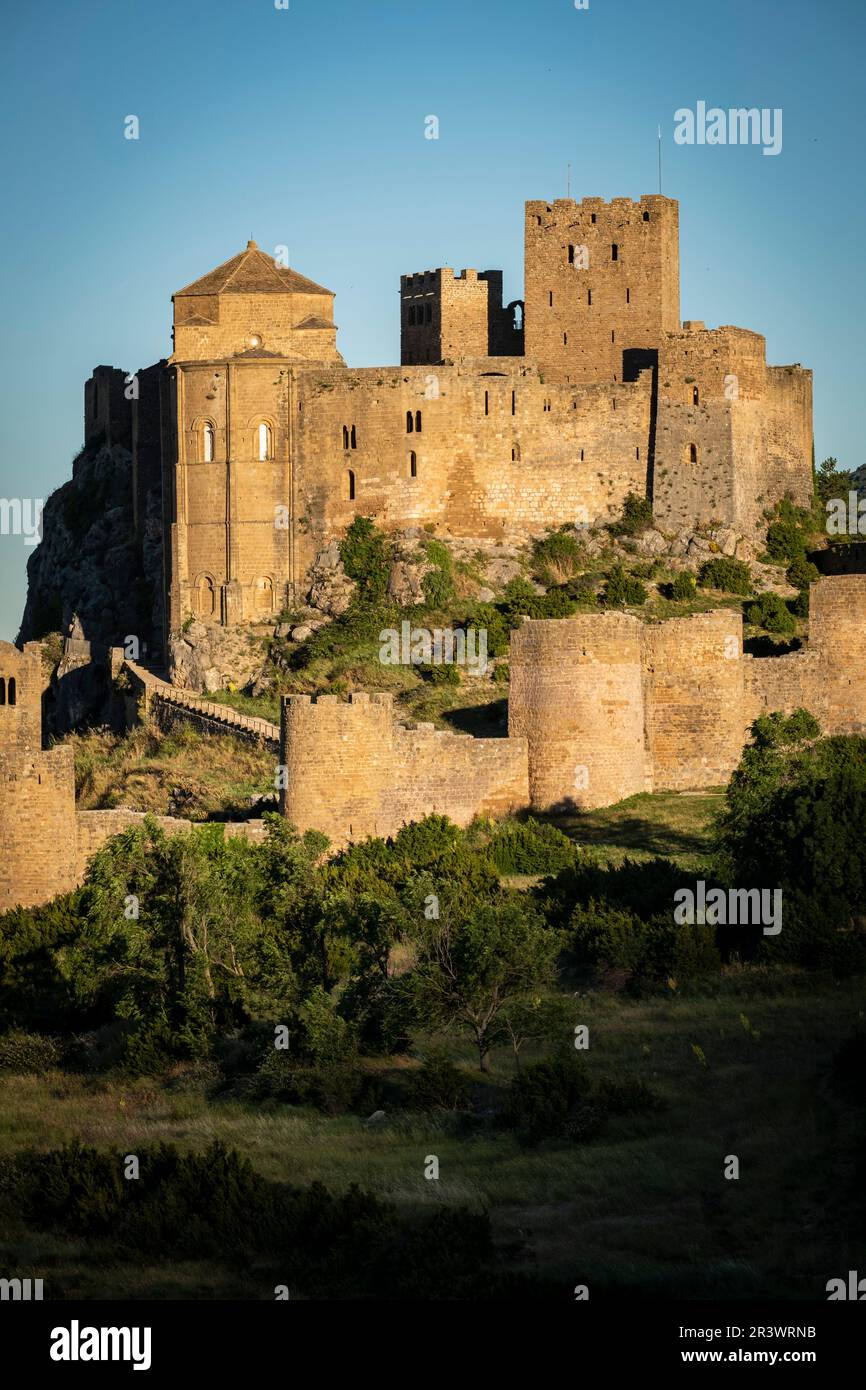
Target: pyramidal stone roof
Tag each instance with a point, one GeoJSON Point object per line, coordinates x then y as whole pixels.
{"type": "Point", "coordinates": [252, 272]}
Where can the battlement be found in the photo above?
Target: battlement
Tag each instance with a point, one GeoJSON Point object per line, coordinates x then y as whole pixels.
{"type": "Point", "coordinates": [445, 316]}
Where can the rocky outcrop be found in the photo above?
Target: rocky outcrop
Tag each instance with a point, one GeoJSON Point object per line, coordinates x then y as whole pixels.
{"type": "Point", "coordinates": [90, 565]}
{"type": "Point", "coordinates": [205, 658]}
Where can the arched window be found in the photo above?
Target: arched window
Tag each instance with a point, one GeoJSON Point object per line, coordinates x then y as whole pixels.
{"type": "Point", "coordinates": [693, 453]}
{"type": "Point", "coordinates": [413, 465]}
{"type": "Point", "coordinates": [614, 252]}
{"type": "Point", "coordinates": [518, 317]}
{"type": "Point", "coordinates": [2, 690]}
{"type": "Point", "coordinates": [646, 217]}
{"type": "Point", "coordinates": [12, 691]}
{"type": "Point", "coordinates": [207, 443]}
{"type": "Point", "coordinates": [265, 442]}
{"type": "Point", "coordinates": [696, 396]}
{"type": "Point", "coordinates": [515, 453]}
{"type": "Point", "coordinates": [417, 422]}
{"type": "Point", "coordinates": [349, 485]}
{"type": "Point", "coordinates": [353, 439]}
{"type": "Point", "coordinates": [486, 402]}
{"type": "Point", "coordinates": [589, 297]}
{"type": "Point", "coordinates": [345, 436]}
{"type": "Point", "coordinates": [410, 423]}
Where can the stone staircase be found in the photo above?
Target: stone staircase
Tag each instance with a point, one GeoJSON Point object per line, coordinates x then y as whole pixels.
{"type": "Point", "coordinates": [163, 703]}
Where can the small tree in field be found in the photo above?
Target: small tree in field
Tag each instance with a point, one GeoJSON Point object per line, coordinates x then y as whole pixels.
{"type": "Point", "coordinates": [476, 962]}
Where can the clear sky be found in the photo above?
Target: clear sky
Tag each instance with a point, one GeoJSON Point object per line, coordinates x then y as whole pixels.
{"type": "Point", "coordinates": [305, 127]}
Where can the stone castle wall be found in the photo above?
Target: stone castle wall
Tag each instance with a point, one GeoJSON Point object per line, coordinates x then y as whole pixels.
{"type": "Point", "coordinates": [352, 771]}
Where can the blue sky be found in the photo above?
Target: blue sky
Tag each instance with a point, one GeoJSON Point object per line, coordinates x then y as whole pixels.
{"type": "Point", "coordinates": [305, 127]}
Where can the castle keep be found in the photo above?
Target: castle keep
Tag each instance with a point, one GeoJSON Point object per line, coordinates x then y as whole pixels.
{"type": "Point", "coordinates": [263, 445]}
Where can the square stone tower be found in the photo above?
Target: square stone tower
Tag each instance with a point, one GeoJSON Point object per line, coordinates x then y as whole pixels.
{"type": "Point", "coordinates": [445, 317]}
{"type": "Point", "coordinates": [602, 285]}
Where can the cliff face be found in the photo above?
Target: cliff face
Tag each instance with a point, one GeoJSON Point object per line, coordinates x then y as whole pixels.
{"type": "Point", "coordinates": [90, 565]}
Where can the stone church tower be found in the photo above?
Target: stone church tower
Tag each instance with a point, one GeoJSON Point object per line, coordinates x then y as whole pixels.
{"type": "Point", "coordinates": [228, 417]}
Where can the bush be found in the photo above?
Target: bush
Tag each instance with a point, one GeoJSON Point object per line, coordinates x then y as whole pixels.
{"type": "Point", "coordinates": [727, 575]}
{"type": "Point", "coordinates": [637, 516]}
{"type": "Point", "coordinates": [501, 674]}
{"type": "Point", "coordinates": [438, 584]}
{"type": "Point", "coordinates": [366, 556]}
{"type": "Point", "coordinates": [801, 573]}
{"type": "Point", "coordinates": [445, 674]}
{"type": "Point", "coordinates": [545, 1098]}
{"type": "Point", "coordinates": [772, 614]}
{"type": "Point", "coordinates": [530, 847]}
{"type": "Point", "coordinates": [485, 617]}
{"type": "Point", "coordinates": [682, 586]}
{"type": "Point", "coordinates": [627, 1096]}
{"type": "Point", "coordinates": [438, 1085]}
{"type": "Point", "coordinates": [622, 590]}
{"type": "Point", "coordinates": [25, 1053]}
{"type": "Point", "coordinates": [556, 558]}
{"type": "Point", "coordinates": [213, 1206]}
{"type": "Point", "coordinates": [786, 540]}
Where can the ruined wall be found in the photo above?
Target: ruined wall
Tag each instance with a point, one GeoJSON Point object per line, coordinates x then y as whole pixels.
{"type": "Point", "coordinates": [582, 316]}
{"type": "Point", "coordinates": [94, 828]}
{"type": "Point", "coordinates": [37, 789]}
{"type": "Point", "coordinates": [576, 697]}
{"type": "Point", "coordinates": [693, 699]}
{"type": "Point", "coordinates": [829, 677]}
{"type": "Point", "coordinates": [353, 772]}
{"type": "Point", "coordinates": [107, 412]}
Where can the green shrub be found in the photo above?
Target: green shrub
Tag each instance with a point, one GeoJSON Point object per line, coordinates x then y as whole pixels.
{"type": "Point", "coordinates": [445, 674]}
{"type": "Point", "coordinates": [622, 590]}
{"type": "Point", "coordinates": [557, 556]}
{"type": "Point", "coordinates": [545, 1098]}
{"type": "Point", "coordinates": [438, 584]}
{"type": "Point", "coordinates": [530, 847]}
{"type": "Point", "coordinates": [799, 606]}
{"type": "Point", "coordinates": [25, 1053]}
{"type": "Point", "coordinates": [772, 614]}
{"type": "Point", "coordinates": [627, 1095]}
{"type": "Point", "coordinates": [681, 587]}
{"type": "Point", "coordinates": [485, 617]}
{"type": "Point", "coordinates": [726, 574]}
{"type": "Point", "coordinates": [637, 516]}
{"type": "Point", "coordinates": [366, 556]}
{"type": "Point", "coordinates": [501, 674]}
{"type": "Point", "coordinates": [801, 573]}
{"type": "Point", "coordinates": [786, 541]}
{"type": "Point", "coordinates": [438, 1085]}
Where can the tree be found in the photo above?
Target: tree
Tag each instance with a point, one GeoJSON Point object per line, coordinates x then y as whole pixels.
{"type": "Point", "coordinates": [478, 958]}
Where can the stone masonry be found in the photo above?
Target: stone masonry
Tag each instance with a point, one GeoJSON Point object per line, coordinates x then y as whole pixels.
{"type": "Point", "coordinates": [263, 445]}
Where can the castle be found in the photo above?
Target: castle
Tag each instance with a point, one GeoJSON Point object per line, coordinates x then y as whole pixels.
{"type": "Point", "coordinates": [262, 445]}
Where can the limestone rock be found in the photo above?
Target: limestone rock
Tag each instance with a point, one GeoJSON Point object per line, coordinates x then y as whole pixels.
{"type": "Point", "coordinates": [405, 582]}
{"type": "Point", "coordinates": [302, 632]}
